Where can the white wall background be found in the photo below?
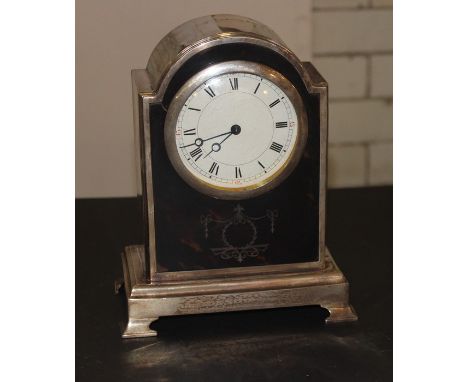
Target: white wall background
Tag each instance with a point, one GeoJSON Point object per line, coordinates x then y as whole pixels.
{"type": "Point", "coordinates": [112, 37]}
{"type": "Point", "coordinates": [352, 45]}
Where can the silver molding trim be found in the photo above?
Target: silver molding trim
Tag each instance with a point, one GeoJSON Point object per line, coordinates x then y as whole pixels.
{"type": "Point", "coordinates": [202, 33]}
{"type": "Point", "coordinates": [150, 85]}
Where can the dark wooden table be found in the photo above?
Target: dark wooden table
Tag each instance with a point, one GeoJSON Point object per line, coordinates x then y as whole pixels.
{"type": "Point", "coordinates": [273, 345]}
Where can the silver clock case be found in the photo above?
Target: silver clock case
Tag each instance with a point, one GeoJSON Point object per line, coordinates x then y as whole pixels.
{"type": "Point", "coordinates": [150, 85]}
{"type": "Point", "coordinates": [149, 294]}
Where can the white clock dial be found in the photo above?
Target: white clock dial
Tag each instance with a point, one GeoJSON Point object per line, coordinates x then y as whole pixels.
{"type": "Point", "coordinates": [236, 130]}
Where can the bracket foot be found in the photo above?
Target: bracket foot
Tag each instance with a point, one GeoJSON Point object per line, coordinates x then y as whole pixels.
{"type": "Point", "coordinates": [340, 314]}
{"type": "Point", "coordinates": [139, 327]}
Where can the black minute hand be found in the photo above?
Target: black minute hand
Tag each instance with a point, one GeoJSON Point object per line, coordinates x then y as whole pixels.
{"type": "Point", "coordinates": [204, 140]}
{"type": "Point", "coordinates": [216, 136]}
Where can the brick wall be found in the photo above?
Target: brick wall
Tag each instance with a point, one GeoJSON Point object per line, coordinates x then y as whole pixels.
{"type": "Point", "coordinates": [352, 41]}
{"type": "Point", "coordinates": [352, 48]}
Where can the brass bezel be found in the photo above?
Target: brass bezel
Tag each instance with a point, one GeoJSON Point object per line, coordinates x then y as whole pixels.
{"type": "Point", "coordinates": [261, 187]}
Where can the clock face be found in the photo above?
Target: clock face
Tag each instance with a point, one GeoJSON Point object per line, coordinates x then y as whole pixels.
{"type": "Point", "coordinates": [236, 131]}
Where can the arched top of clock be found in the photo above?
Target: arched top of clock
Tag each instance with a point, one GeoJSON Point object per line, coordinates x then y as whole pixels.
{"type": "Point", "coordinates": [182, 43]}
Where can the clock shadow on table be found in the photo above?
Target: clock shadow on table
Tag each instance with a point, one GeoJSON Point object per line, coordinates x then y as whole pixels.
{"type": "Point", "coordinates": [274, 344]}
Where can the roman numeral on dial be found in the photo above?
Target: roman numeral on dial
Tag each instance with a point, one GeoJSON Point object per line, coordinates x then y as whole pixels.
{"type": "Point", "coordinates": [234, 83]}
{"type": "Point", "coordinates": [274, 103]}
{"type": "Point", "coordinates": [255, 91]}
{"type": "Point", "coordinates": [189, 132]}
{"type": "Point", "coordinates": [281, 125]}
{"type": "Point", "coordinates": [276, 147]}
{"type": "Point", "coordinates": [210, 91]}
{"type": "Point", "coordinates": [214, 168]}
{"type": "Point", "coordinates": [196, 153]}
{"type": "Point", "coordinates": [238, 172]}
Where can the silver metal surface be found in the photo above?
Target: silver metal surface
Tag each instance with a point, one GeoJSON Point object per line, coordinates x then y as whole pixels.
{"type": "Point", "coordinates": [320, 88]}
{"type": "Point", "coordinates": [217, 70]}
{"type": "Point", "coordinates": [151, 294]}
{"type": "Point", "coordinates": [164, 63]}
{"type": "Point", "coordinates": [326, 287]}
{"type": "Point", "coordinates": [202, 33]}
{"type": "Point", "coordinates": [144, 96]}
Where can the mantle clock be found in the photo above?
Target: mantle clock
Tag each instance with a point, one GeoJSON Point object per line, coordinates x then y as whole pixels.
{"type": "Point", "coordinates": [231, 133]}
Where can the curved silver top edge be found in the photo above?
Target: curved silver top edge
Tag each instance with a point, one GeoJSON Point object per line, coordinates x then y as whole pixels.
{"type": "Point", "coordinates": [202, 33]}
